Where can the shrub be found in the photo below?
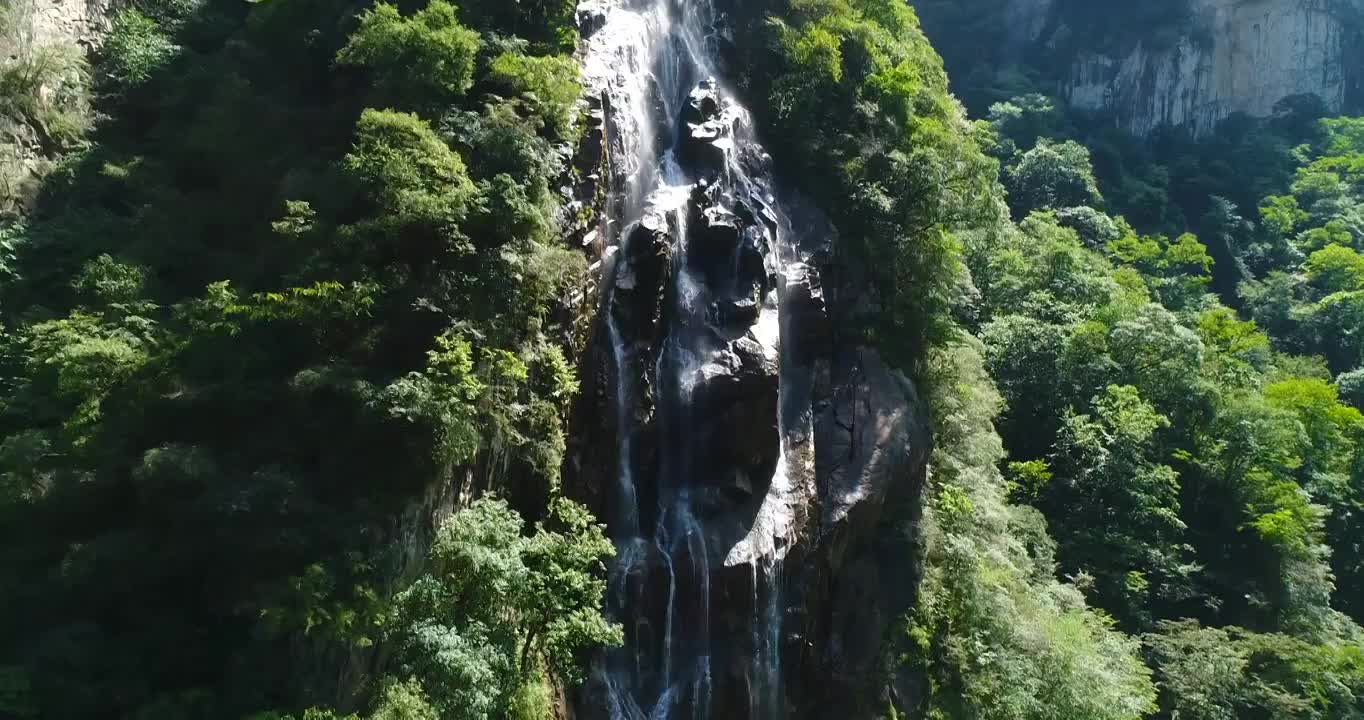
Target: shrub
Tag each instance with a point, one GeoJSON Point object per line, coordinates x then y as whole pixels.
{"type": "Point", "coordinates": [135, 50]}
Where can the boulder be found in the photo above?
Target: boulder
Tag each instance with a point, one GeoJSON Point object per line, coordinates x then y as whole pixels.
{"type": "Point", "coordinates": [803, 303]}
{"type": "Point", "coordinates": [706, 131]}
{"type": "Point", "coordinates": [643, 265]}
{"type": "Point", "coordinates": [715, 233]}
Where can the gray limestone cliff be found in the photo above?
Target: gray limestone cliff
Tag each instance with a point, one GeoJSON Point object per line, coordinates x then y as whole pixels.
{"type": "Point", "coordinates": [1223, 57]}
{"type": "Point", "coordinates": [47, 22]}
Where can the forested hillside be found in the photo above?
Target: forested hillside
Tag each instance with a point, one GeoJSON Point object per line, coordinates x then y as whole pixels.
{"type": "Point", "coordinates": [296, 279]}
{"type": "Point", "coordinates": [1197, 458]}
{"type": "Point", "coordinates": [297, 299]}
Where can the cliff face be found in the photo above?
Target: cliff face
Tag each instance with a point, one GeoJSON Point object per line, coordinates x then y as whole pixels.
{"type": "Point", "coordinates": [1227, 56]}
{"type": "Point", "coordinates": [1026, 20]}
{"type": "Point", "coordinates": [28, 29]}
{"type": "Point", "coordinates": [38, 23]}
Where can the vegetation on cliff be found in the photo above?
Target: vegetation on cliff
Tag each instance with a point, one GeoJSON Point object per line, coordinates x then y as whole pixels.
{"type": "Point", "coordinates": [289, 297]}
{"type": "Point", "coordinates": [1196, 454]}
{"type": "Point", "coordinates": [44, 104]}
{"type": "Point", "coordinates": [855, 88]}
{"type": "Point", "coordinates": [1187, 464]}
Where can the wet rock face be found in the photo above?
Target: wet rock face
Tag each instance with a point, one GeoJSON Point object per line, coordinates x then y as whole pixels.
{"type": "Point", "coordinates": [741, 452]}
{"type": "Point", "coordinates": [707, 123]}
{"type": "Point", "coordinates": [640, 277]}
{"type": "Point", "coordinates": [736, 399]}
{"type": "Point", "coordinates": [729, 250]}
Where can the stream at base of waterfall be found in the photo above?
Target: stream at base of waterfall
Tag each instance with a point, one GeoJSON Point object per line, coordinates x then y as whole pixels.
{"type": "Point", "coordinates": [693, 281]}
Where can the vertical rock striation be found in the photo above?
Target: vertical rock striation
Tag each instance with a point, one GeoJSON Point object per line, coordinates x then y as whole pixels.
{"type": "Point", "coordinates": [1228, 56]}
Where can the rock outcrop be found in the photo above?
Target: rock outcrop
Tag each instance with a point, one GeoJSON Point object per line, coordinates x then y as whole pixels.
{"type": "Point", "coordinates": [31, 27]}
{"type": "Point", "coordinates": [48, 22]}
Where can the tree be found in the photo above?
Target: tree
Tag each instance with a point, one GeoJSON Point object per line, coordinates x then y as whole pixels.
{"type": "Point", "coordinates": [137, 47]}
{"type": "Point", "coordinates": [1336, 268]}
{"type": "Point", "coordinates": [1179, 272]}
{"type": "Point", "coordinates": [1052, 176]}
{"type": "Point", "coordinates": [410, 173]}
{"type": "Point", "coordinates": [496, 604]}
{"type": "Point", "coordinates": [230, 365]}
{"type": "Point", "coordinates": [1094, 228]}
{"type": "Point", "coordinates": [993, 632]}
{"type": "Point", "coordinates": [1021, 121]}
{"type": "Point", "coordinates": [423, 61]}
{"type": "Point", "coordinates": [1124, 525]}
{"type": "Point", "coordinates": [548, 84]}
{"type": "Point", "coordinates": [1225, 674]}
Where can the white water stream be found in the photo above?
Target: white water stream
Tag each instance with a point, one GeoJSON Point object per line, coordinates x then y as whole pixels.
{"type": "Point", "coordinates": [647, 60]}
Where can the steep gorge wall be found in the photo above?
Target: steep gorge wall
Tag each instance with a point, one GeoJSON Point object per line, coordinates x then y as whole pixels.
{"type": "Point", "coordinates": [1228, 56]}
{"type": "Point", "coordinates": [29, 29]}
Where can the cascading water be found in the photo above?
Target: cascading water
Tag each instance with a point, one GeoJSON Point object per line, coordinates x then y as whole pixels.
{"type": "Point", "coordinates": [701, 509]}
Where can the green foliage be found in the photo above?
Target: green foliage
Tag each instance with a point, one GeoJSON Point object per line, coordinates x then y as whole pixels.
{"type": "Point", "coordinates": [1231, 673]}
{"type": "Point", "coordinates": [1178, 273]}
{"type": "Point", "coordinates": [1308, 294]}
{"type": "Point", "coordinates": [1094, 228]}
{"type": "Point", "coordinates": [533, 701]}
{"type": "Point", "coordinates": [1205, 406]}
{"type": "Point", "coordinates": [404, 701]}
{"type": "Point", "coordinates": [1232, 337]}
{"type": "Point", "coordinates": [303, 282]}
{"type": "Point", "coordinates": [1198, 479]}
{"type": "Point", "coordinates": [1281, 214]}
{"type": "Point", "coordinates": [252, 323]}
{"type": "Point", "coordinates": [993, 633]}
{"type": "Point", "coordinates": [562, 612]}
{"type": "Point", "coordinates": [1051, 176]}
{"type": "Point", "coordinates": [498, 604]}
{"type": "Point", "coordinates": [105, 281]}
{"type": "Point", "coordinates": [1351, 387]}
{"type": "Point", "coordinates": [1335, 268]}
{"type": "Point", "coordinates": [1186, 466]}
{"type": "Point", "coordinates": [443, 399]}
{"type": "Point", "coordinates": [549, 25]}
{"type": "Point", "coordinates": [398, 701]}
{"type": "Point", "coordinates": [412, 176]}
{"type": "Point", "coordinates": [857, 103]}
{"type": "Point", "coordinates": [427, 58]}
{"type": "Point", "coordinates": [1102, 469]}
{"type": "Point", "coordinates": [549, 85]}
{"type": "Point", "coordinates": [1020, 121]}
{"type": "Point", "coordinates": [135, 50]}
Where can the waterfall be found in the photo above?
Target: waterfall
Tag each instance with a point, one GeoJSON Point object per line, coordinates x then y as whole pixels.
{"type": "Point", "coordinates": [700, 508]}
